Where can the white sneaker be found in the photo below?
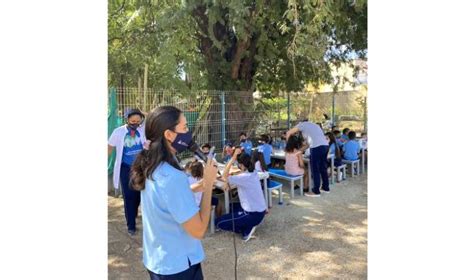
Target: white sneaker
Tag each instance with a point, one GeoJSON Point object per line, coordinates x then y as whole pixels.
{"type": "Point", "coordinates": [325, 191]}
{"type": "Point", "coordinates": [310, 194]}
{"type": "Point", "coordinates": [250, 235]}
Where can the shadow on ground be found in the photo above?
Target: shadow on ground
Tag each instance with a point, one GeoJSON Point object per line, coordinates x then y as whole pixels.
{"type": "Point", "coordinates": [305, 238]}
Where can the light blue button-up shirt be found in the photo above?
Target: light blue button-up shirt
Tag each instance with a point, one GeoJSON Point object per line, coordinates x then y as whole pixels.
{"type": "Point", "coordinates": [247, 146]}
{"type": "Point", "coordinates": [351, 150]}
{"type": "Point", "coordinates": [168, 202]}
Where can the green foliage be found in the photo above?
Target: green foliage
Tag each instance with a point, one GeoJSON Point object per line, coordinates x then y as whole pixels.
{"type": "Point", "coordinates": [267, 45]}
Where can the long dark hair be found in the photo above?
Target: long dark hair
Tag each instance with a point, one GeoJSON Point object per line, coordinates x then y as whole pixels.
{"type": "Point", "coordinates": [156, 123]}
{"type": "Point", "coordinates": [332, 140]}
{"type": "Point", "coordinates": [245, 160]}
{"type": "Point", "coordinates": [258, 156]}
{"type": "Point", "coordinates": [294, 142]}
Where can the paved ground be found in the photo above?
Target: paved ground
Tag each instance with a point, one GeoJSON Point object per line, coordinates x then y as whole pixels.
{"type": "Point", "coordinates": [307, 238]}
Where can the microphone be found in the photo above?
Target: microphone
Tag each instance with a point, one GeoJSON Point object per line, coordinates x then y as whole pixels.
{"type": "Point", "coordinates": [211, 151]}
{"type": "Point", "coordinates": [194, 147]}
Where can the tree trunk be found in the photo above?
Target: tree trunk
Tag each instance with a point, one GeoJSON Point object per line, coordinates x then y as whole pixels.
{"type": "Point", "coordinates": [231, 70]}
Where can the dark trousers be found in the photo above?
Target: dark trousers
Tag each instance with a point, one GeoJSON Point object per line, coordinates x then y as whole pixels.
{"type": "Point", "coordinates": [214, 201]}
{"type": "Point", "coordinates": [337, 162]}
{"type": "Point", "coordinates": [194, 272]}
{"type": "Point", "coordinates": [131, 198]}
{"type": "Point", "coordinates": [319, 168]}
{"type": "Point", "coordinates": [243, 221]}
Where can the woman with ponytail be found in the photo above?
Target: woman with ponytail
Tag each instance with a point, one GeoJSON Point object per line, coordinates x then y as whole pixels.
{"type": "Point", "coordinates": [172, 222]}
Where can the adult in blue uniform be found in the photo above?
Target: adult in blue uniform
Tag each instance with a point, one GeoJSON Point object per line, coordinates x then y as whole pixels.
{"type": "Point", "coordinates": [172, 222]}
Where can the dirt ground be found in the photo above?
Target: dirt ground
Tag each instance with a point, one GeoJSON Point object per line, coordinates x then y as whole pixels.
{"type": "Point", "coordinates": [305, 238]}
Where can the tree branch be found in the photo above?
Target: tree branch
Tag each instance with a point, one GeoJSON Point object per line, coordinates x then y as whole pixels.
{"type": "Point", "coordinates": [241, 47]}
{"type": "Point", "coordinates": [119, 9]}
{"type": "Point", "coordinates": [205, 44]}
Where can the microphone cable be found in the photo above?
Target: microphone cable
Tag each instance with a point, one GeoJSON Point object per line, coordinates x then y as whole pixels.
{"type": "Point", "coordinates": [233, 237]}
{"type": "Point", "coordinates": [197, 151]}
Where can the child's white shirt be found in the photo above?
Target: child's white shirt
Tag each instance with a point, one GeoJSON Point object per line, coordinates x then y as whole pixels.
{"type": "Point", "coordinates": [197, 195]}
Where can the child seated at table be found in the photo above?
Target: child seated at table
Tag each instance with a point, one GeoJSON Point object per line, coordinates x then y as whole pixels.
{"type": "Point", "coordinates": [351, 148]}
{"type": "Point", "coordinates": [251, 210]}
{"type": "Point", "coordinates": [245, 143]}
{"type": "Point", "coordinates": [196, 170]}
{"type": "Point", "coordinates": [265, 148]}
{"type": "Point", "coordinates": [294, 164]}
{"type": "Point", "coordinates": [206, 148]}
{"type": "Point", "coordinates": [258, 161]}
{"type": "Point", "coordinates": [334, 149]}
{"type": "Point", "coordinates": [339, 140]}
{"type": "Point", "coordinates": [227, 152]}
{"type": "Point", "coordinates": [345, 135]}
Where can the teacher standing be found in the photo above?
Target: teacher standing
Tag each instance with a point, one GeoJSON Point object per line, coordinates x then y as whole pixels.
{"type": "Point", "coordinates": [172, 222]}
{"type": "Point", "coordinates": [319, 148]}
{"type": "Point", "coordinates": [128, 141]}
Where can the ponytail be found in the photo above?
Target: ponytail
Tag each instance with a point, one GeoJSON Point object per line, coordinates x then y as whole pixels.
{"type": "Point", "coordinates": [148, 160]}
{"type": "Point", "coordinates": [156, 149]}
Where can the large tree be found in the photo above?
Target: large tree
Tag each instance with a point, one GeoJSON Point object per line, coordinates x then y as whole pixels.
{"type": "Point", "coordinates": [233, 45]}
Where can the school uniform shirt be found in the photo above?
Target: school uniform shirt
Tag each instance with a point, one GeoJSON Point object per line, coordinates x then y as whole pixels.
{"type": "Point", "coordinates": [197, 195]}
{"type": "Point", "coordinates": [117, 140]}
{"type": "Point", "coordinates": [340, 142]}
{"type": "Point", "coordinates": [281, 144]}
{"type": "Point", "coordinates": [247, 146]}
{"type": "Point", "coordinates": [351, 150]}
{"type": "Point", "coordinates": [313, 133]}
{"type": "Point", "coordinates": [345, 137]}
{"type": "Point", "coordinates": [226, 158]}
{"type": "Point", "coordinates": [292, 166]}
{"type": "Point", "coordinates": [167, 202]}
{"type": "Point", "coordinates": [266, 149]}
{"type": "Point", "coordinates": [250, 191]}
{"type": "Point", "coordinates": [132, 146]}
{"type": "Point", "coordinates": [332, 149]}
{"type": "Point", "coordinates": [258, 166]}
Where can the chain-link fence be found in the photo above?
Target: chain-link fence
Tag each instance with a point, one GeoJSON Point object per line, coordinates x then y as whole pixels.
{"type": "Point", "coordinates": [217, 117]}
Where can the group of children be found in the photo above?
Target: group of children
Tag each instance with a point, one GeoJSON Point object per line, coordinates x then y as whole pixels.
{"type": "Point", "coordinates": [246, 145]}
{"type": "Point", "coordinates": [250, 211]}
{"type": "Point", "coordinates": [344, 146]}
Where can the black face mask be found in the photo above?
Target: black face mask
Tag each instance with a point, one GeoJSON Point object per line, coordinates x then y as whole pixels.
{"type": "Point", "coordinates": [243, 140]}
{"type": "Point", "coordinates": [182, 141]}
{"type": "Point", "coordinates": [133, 126]}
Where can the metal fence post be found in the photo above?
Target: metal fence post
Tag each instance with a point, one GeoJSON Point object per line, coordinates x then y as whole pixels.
{"type": "Point", "coordinates": [365, 114]}
{"type": "Point", "coordinates": [145, 87]}
{"type": "Point", "coordinates": [288, 109]}
{"type": "Point", "coordinates": [333, 106]}
{"type": "Point", "coordinates": [223, 117]}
